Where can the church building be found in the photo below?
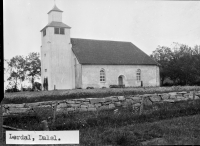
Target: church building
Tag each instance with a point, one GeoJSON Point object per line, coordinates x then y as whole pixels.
{"type": "Point", "coordinates": [69, 63]}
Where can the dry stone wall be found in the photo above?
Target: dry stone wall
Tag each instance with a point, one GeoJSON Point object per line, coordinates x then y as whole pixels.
{"type": "Point", "coordinates": [94, 104]}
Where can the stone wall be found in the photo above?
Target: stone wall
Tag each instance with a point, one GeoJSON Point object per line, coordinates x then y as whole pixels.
{"type": "Point", "coordinates": [94, 104]}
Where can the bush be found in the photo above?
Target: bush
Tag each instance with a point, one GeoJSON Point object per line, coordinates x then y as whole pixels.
{"type": "Point", "coordinates": [90, 88]}
{"type": "Point", "coordinates": [12, 90]}
{"type": "Point", "coordinates": [117, 86]}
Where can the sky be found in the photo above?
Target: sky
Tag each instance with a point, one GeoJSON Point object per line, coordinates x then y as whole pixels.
{"type": "Point", "coordinates": [146, 24]}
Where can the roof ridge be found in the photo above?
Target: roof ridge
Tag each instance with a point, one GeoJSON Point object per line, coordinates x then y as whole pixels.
{"type": "Point", "coordinates": [103, 40]}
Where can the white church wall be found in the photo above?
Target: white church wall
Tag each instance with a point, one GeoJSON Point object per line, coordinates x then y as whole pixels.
{"type": "Point", "coordinates": [91, 75]}
{"type": "Point", "coordinates": [77, 72]}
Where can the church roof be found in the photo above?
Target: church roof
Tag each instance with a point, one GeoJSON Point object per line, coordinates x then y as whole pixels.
{"type": "Point", "coordinates": [55, 8]}
{"type": "Point", "coordinates": [103, 52]}
{"type": "Point", "coordinates": [56, 24]}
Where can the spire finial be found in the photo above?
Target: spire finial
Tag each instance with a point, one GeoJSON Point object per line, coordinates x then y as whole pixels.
{"type": "Point", "coordinates": [54, 2]}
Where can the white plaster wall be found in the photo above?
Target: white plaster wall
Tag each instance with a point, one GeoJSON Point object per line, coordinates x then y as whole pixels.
{"type": "Point", "coordinates": [91, 75]}
{"type": "Point", "coordinates": [77, 73]}
{"type": "Point", "coordinates": [58, 61]}
{"type": "Point", "coordinates": [55, 16]}
{"type": "Point", "coordinates": [158, 76]}
{"type": "Point", "coordinates": [45, 61]}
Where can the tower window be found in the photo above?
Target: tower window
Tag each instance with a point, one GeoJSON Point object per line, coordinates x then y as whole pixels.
{"type": "Point", "coordinates": [45, 70]}
{"type": "Point", "coordinates": [44, 32]}
{"type": "Point", "coordinates": [62, 31]}
{"type": "Point", "coordinates": [59, 31]}
{"type": "Point", "coordinates": [56, 30]}
{"type": "Point", "coordinates": [45, 55]}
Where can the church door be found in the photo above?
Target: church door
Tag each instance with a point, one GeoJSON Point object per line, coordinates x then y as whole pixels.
{"type": "Point", "coordinates": [120, 80]}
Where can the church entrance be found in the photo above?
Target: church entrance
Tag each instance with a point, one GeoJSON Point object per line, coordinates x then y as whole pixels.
{"type": "Point", "coordinates": [120, 80]}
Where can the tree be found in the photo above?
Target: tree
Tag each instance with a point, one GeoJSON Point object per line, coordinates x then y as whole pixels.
{"type": "Point", "coordinates": [33, 67]}
{"type": "Point", "coordinates": [16, 69]}
{"type": "Point", "coordinates": [163, 56]}
{"type": "Point", "coordinates": [180, 63]}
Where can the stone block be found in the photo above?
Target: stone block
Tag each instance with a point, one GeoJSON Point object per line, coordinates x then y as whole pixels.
{"type": "Point", "coordinates": [147, 101]}
{"type": "Point", "coordinates": [16, 105]}
{"type": "Point", "coordinates": [75, 105]}
{"type": "Point", "coordinates": [61, 101]}
{"type": "Point", "coordinates": [111, 106]}
{"type": "Point", "coordinates": [78, 101]}
{"type": "Point", "coordinates": [92, 109]}
{"type": "Point", "coordinates": [61, 105]}
{"type": "Point", "coordinates": [115, 98]}
{"type": "Point", "coordinates": [172, 93]}
{"type": "Point", "coordinates": [84, 106]}
{"type": "Point", "coordinates": [112, 98]}
{"type": "Point", "coordinates": [60, 109]}
{"type": "Point", "coordinates": [96, 100]}
{"type": "Point", "coordinates": [183, 92]}
{"type": "Point", "coordinates": [83, 109]}
{"type": "Point", "coordinates": [32, 104]}
{"type": "Point", "coordinates": [155, 98]}
{"type": "Point", "coordinates": [97, 104]}
{"type": "Point", "coordinates": [173, 96]}
{"type": "Point", "coordinates": [43, 106]}
{"type": "Point", "coordinates": [180, 97]}
{"type": "Point", "coordinates": [91, 105]}
{"type": "Point", "coordinates": [118, 103]}
{"type": "Point", "coordinates": [121, 98]}
{"type": "Point", "coordinates": [125, 103]}
{"type": "Point", "coordinates": [70, 101]}
{"type": "Point", "coordinates": [47, 102]}
{"type": "Point", "coordinates": [69, 109]}
{"type": "Point", "coordinates": [18, 110]}
{"type": "Point", "coordinates": [85, 102]}
{"type": "Point", "coordinates": [165, 96]}
{"type": "Point", "coordinates": [169, 100]}
{"type": "Point", "coordinates": [136, 105]}
{"type": "Point", "coordinates": [136, 99]}
{"type": "Point", "coordinates": [107, 99]}
{"type": "Point", "coordinates": [104, 107]}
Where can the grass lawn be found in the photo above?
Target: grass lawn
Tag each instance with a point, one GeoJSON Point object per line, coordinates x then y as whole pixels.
{"type": "Point", "coordinates": [28, 97]}
{"type": "Point", "coordinates": [176, 131]}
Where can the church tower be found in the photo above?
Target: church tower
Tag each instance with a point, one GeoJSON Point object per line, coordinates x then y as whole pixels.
{"type": "Point", "coordinates": [56, 54]}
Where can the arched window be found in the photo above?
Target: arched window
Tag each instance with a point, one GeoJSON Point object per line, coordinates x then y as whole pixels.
{"type": "Point", "coordinates": [102, 75]}
{"type": "Point", "coordinates": [138, 75]}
